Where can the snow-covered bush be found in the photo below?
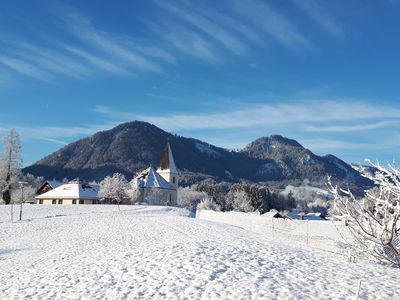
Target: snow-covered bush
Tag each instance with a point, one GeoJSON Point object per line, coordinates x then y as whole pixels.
{"type": "Point", "coordinates": [208, 204]}
{"type": "Point", "coordinates": [189, 198]}
{"type": "Point", "coordinates": [374, 219]}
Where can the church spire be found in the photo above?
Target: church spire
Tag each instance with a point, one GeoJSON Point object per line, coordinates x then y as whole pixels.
{"type": "Point", "coordinates": [167, 161]}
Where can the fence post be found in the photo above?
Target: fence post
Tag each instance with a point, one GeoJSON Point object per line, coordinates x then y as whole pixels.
{"type": "Point", "coordinates": [308, 237]}
{"type": "Point", "coordinates": [272, 228]}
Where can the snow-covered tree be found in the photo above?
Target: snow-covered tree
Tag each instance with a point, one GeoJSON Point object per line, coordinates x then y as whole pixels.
{"type": "Point", "coordinates": [133, 192]}
{"type": "Point", "coordinates": [213, 189]}
{"type": "Point", "coordinates": [113, 188]}
{"type": "Point", "coordinates": [240, 201]}
{"type": "Point", "coordinates": [208, 204]}
{"type": "Point", "coordinates": [27, 193]}
{"type": "Point", "coordinates": [10, 165]}
{"type": "Point", "coordinates": [189, 198]}
{"type": "Point", "coordinates": [374, 219]}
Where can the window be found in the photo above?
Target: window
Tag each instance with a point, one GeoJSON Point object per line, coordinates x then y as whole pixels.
{"type": "Point", "coordinates": [173, 180]}
{"type": "Point", "coordinates": [73, 201]}
{"type": "Point", "coordinates": [60, 201]}
{"type": "Point", "coordinates": [40, 201]}
{"type": "Point", "coordinates": [54, 201]}
{"type": "Point", "coordinates": [94, 201]}
{"type": "Point", "coordinates": [80, 201]}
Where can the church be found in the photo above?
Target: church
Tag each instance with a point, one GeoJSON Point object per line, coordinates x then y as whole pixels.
{"type": "Point", "coordinates": [158, 187]}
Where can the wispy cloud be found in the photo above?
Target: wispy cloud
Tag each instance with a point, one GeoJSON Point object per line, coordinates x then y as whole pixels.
{"type": "Point", "coordinates": [58, 134]}
{"type": "Point", "coordinates": [321, 16]}
{"type": "Point", "coordinates": [189, 42]}
{"type": "Point", "coordinates": [206, 26]}
{"type": "Point", "coordinates": [352, 127]}
{"type": "Point", "coordinates": [306, 114]}
{"type": "Point", "coordinates": [24, 68]}
{"type": "Point", "coordinates": [49, 60]}
{"type": "Point", "coordinates": [99, 62]}
{"type": "Point", "coordinates": [83, 29]}
{"type": "Point", "coordinates": [54, 141]}
{"type": "Point", "coordinates": [264, 17]}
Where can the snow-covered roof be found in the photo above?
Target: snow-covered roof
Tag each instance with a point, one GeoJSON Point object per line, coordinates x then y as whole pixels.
{"type": "Point", "coordinates": [72, 190]}
{"type": "Point", "coordinates": [149, 178]}
{"type": "Point", "coordinates": [167, 161]}
{"type": "Point", "coordinates": [54, 183]}
{"type": "Point", "coordinates": [308, 216]}
{"type": "Point", "coordinates": [272, 214]}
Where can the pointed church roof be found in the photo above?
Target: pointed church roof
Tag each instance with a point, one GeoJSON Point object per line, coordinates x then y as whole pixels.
{"type": "Point", "coordinates": [167, 161]}
{"type": "Point", "coordinates": [149, 178]}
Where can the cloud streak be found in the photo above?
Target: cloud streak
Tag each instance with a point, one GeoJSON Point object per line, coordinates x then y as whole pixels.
{"type": "Point", "coordinates": [303, 113]}
{"type": "Point", "coordinates": [320, 16]}
{"type": "Point", "coordinates": [264, 17]}
{"type": "Point", "coordinates": [206, 26]}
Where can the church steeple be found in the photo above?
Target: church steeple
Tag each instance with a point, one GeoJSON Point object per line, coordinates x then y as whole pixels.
{"type": "Point", "coordinates": [167, 167]}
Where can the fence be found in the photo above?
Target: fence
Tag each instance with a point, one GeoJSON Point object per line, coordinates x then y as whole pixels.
{"type": "Point", "coordinates": [324, 235]}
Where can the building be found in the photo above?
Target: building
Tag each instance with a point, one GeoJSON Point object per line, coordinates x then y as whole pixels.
{"type": "Point", "coordinates": [48, 185]}
{"type": "Point", "coordinates": [159, 187]}
{"type": "Point", "coordinates": [74, 192]}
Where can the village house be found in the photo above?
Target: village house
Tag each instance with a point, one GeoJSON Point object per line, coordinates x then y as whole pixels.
{"type": "Point", "coordinates": [74, 192]}
{"type": "Point", "coordinates": [157, 187]}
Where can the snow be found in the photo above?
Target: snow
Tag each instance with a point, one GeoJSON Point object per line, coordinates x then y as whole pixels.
{"type": "Point", "coordinates": [150, 178]}
{"type": "Point", "coordinates": [340, 166]}
{"type": "Point", "coordinates": [207, 149]}
{"type": "Point", "coordinates": [98, 252]}
{"type": "Point", "coordinates": [71, 191]}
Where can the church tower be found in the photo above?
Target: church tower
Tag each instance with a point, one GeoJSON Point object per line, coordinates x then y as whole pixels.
{"type": "Point", "coordinates": [167, 167]}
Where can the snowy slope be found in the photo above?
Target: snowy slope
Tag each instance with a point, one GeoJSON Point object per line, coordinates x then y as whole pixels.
{"type": "Point", "coordinates": [97, 252]}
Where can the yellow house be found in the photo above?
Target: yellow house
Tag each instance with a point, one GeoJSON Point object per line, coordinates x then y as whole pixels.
{"type": "Point", "coordinates": [73, 192]}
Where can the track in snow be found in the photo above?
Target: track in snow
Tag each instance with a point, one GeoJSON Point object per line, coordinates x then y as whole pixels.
{"type": "Point", "coordinates": [98, 252]}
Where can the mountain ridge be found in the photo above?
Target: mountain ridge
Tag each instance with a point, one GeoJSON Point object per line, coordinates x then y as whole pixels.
{"type": "Point", "coordinates": [133, 146]}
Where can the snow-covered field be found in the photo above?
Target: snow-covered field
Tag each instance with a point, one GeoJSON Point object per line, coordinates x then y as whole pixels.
{"type": "Point", "coordinates": [98, 252]}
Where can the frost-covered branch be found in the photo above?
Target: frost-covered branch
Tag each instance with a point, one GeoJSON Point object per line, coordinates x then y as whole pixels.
{"type": "Point", "coordinates": [374, 219]}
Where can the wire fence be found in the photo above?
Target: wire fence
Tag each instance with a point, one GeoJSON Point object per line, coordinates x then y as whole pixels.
{"type": "Point", "coordinates": [323, 235]}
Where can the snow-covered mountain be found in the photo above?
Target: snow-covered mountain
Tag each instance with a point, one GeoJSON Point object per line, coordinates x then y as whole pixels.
{"type": "Point", "coordinates": [132, 147]}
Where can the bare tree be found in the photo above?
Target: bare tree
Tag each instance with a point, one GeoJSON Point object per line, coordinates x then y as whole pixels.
{"type": "Point", "coordinates": [10, 165]}
{"type": "Point", "coordinates": [374, 220]}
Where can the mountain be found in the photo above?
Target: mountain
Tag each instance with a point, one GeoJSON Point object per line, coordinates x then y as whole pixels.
{"type": "Point", "coordinates": [295, 161]}
{"type": "Point", "coordinates": [132, 147]}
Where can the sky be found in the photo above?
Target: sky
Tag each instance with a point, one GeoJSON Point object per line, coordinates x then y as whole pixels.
{"type": "Point", "coordinates": [325, 73]}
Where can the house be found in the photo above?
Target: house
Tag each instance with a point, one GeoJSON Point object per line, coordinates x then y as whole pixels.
{"type": "Point", "coordinates": [48, 185]}
{"type": "Point", "coordinates": [272, 214]}
{"type": "Point", "coordinates": [74, 192]}
{"type": "Point", "coordinates": [306, 216]}
{"type": "Point", "coordinates": [315, 217]}
{"type": "Point", "coordinates": [158, 187]}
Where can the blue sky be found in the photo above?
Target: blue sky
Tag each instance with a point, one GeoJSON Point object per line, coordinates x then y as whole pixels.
{"type": "Point", "coordinates": [325, 73]}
